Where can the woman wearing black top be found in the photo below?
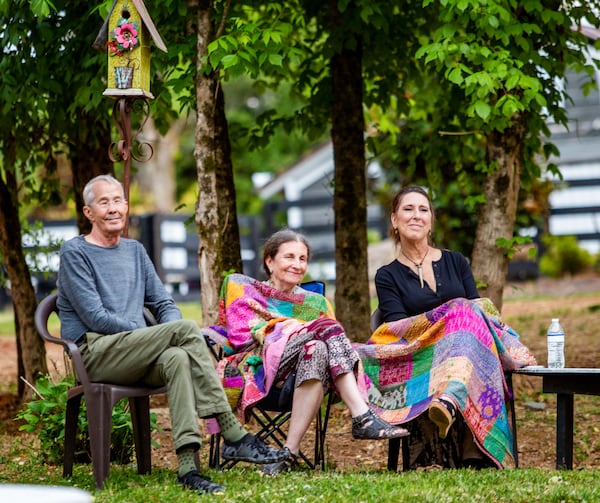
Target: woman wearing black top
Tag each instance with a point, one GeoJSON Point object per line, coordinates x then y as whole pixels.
{"type": "Point", "coordinates": [440, 349]}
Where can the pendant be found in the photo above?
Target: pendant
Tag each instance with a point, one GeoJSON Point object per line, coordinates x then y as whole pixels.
{"type": "Point", "coordinates": [420, 271]}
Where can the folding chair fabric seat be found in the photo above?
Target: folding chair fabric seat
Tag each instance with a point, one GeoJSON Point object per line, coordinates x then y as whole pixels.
{"type": "Point", "coordinates": [270, 416]}
{"type": "Point", "coordinates": [100, 399]}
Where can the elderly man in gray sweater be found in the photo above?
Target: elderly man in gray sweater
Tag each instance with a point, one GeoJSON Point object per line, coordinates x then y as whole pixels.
{"type": "Point", "coordinates": [104, 282]}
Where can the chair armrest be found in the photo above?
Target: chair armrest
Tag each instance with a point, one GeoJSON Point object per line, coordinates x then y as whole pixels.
{"type": "Point", "coordinates": [213, 336]}
{"type": "Point", "coordinates": [149, 318]}
{"type": "Point", "coordinates": [45, 308]}
{"type": "Point", "coordinates": [219, 343]}
{"type": "Point", "coordinates": [77, 360]}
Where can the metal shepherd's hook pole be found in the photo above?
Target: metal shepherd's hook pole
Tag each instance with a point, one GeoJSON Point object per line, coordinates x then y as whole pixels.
{"type": "Point", "coordinates": [122, 150]}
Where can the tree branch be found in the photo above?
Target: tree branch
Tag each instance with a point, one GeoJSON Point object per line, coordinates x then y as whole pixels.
{"type": "Point", "coordinates": [219, 31]}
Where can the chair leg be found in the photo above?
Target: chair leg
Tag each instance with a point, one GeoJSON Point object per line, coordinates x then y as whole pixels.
{"type": "Point", "coordinates": [318, 437]}
{"type": "Point", "coordinates": [271, 428]}
{"type": "Point", "coordinates": [99, 413]}
{"type": "Point", "coordinates": [140, 418]}
{"type": "Point", "coordinates": [71, 424]}
{"type": "Point", "coordinates": [405, 454]}
{"type": "Point", "coordinates": [393, 453]}
{"type": "Point", "coordinates": [321, 431]}
{"type": "Point", "coordinates": [214, 456]}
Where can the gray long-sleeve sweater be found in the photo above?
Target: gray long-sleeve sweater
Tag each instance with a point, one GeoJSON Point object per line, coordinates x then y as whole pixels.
{"type": "Point", "coordinates": [105, 289]}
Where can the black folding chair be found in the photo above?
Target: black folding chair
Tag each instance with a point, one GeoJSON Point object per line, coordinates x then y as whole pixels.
{"type": "Point", "coordinates": [271, 416]}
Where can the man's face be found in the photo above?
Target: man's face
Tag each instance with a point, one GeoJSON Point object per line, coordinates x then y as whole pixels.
{"type": "Point", "coordinates": [109, 210]}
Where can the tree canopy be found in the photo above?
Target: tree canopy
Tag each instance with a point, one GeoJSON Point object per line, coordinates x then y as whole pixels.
{"type": "Point", "coordinates": [454, 94]}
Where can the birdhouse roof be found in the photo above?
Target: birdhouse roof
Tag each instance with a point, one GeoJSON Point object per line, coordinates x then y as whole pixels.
{"type": "Point", "coordinates": [101, 39]}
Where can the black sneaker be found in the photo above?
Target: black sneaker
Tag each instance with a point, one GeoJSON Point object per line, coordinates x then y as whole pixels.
{"type": "Point", "coordinates": [253, 450]}
{"type": "Point", "coordinates": [196, 482]}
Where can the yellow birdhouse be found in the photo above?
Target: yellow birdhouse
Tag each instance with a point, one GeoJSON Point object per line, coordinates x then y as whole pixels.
{"type": "Point", "coordinates": [127, 33]}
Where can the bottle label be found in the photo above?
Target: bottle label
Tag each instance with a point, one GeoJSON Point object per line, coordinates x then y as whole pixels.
{"type": "Point", "coordinates": [556, 357]}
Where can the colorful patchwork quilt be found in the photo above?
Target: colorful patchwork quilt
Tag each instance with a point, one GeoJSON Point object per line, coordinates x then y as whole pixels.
{"type": "Point", "coordinates": [460, 349]}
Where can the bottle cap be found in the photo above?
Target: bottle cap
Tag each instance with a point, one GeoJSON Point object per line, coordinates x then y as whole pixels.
{"type": "Point", "coordinates": [555, 320]}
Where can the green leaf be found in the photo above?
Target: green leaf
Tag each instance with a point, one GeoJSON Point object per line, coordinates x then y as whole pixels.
{"type": "Point", "coordinates": [512, 81]}
{"type": "Point", "coordinates": [41, 8]}
{"type": "Point", "coordinates": [275, 59]}
{"type": "Point", "coordinates": [493, 21]}
{"type": "Point", "coordinates": [454, 75]}
{"type": "Point", "coordinates": [229, 61]}
{"type": "Point", "coordinates": [483, 109]}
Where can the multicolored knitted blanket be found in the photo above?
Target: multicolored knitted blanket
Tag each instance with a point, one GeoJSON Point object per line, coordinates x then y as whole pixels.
{"type": "Point", "coordinates": [258, 320]}
{"type": "Point", "coordinates": [461, 349]}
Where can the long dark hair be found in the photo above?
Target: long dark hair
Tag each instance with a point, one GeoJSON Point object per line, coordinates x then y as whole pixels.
{"type": "Point", "coordinates": [397, 201]}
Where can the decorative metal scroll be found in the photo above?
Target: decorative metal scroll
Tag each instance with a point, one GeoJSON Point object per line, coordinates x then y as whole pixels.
{"type": "Point", "coordinates": [128, 146]}
{"type": "Point", "coordinates": [124, 149]}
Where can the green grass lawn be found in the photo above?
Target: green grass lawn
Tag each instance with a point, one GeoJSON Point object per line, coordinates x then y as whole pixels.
{"type": "Point", "coordinates": [7, 322]}
{"type": "Point", "coordinates": [247, 485]}
{"type": "Point", "coordinates": [189, 310]}
{"type": "Point", "coordinates": [20, 464]}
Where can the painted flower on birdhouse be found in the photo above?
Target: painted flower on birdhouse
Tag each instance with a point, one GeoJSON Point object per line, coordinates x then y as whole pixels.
{"type": "Point", "coordinates": [124, 37]}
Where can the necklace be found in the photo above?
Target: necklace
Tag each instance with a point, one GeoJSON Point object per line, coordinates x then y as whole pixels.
{"type": "Point", "coordinates": [418, 265]}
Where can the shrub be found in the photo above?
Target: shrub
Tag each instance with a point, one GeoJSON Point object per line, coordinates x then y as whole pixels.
{"type": "Point", "coordinates": [563, 255]}
{"type": "Point", "coordinates": [46, 417]}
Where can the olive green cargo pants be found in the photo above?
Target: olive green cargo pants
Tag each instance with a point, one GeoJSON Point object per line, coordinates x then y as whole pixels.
{"type": "Point", "coordinates": [174, 354]}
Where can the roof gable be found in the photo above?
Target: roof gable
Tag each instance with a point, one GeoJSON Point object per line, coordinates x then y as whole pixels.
{"type": "Point", "coordinates": [318, 164]}
{"type": "Point", "coordinates": [102, 38]}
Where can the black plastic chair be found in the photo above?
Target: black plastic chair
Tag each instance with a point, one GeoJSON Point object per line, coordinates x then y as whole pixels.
{"type": "Point", "coordinates": [271, 416]}
{"type": "Point", "coordinates": [394, 443]}
{"type": "Point", "coordinates": [100, 399]}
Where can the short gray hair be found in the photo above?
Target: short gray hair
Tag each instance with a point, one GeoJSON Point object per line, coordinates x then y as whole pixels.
{"type": "Point", "coordinates": [88, 190]}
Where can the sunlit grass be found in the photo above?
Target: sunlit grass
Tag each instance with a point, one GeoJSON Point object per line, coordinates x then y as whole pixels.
{"type": "Point", "coordinates": [7, 322]}
{"type": "Point", "coordinates": [247, 485]}
{"type": "Point", "coordinates": [19, 463]}
{"type": "Point", "coordinates": [189, 310]}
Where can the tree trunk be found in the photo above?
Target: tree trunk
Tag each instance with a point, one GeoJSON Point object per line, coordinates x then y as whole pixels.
{"type": "Point", "coordinates": [352, 299]}
{"type": "Point", "coordinates": [31, 352]}
{"type": "Point", "coordinates": [89, 158]}
{"type": "Point", "coordinates": [231, 255]}
{"type": "Point", "coordinates": [496, 218]}
{"type": "Point", "coordinates": [216, 215]}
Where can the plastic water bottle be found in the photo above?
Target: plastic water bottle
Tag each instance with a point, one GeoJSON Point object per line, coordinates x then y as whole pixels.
{"type": "Point", "coordinates": [556, 345]}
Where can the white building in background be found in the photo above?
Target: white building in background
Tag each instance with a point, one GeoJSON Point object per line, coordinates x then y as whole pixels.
{"type": "Point", "coordinates": [575, 202]}
{"type": "Point", "coordinates": [576, 206]}
{"type": "Point", "coordinates": [307, 191]}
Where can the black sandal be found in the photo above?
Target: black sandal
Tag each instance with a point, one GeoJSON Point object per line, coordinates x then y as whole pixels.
{"type": "Point", "coordinates": [273, 469]}
{"type": "Point", "coordinates": [370, 426]}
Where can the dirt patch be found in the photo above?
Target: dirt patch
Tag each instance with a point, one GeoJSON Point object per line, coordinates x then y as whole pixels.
{"type": "Point", "coordinates": [575, 300]}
